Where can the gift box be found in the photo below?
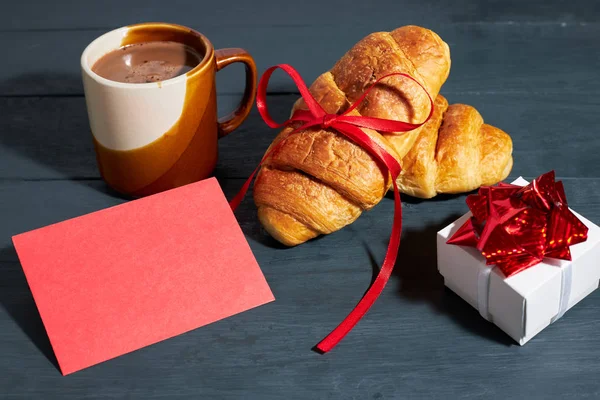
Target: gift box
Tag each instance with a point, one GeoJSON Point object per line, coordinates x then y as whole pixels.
{"type": "Point", "coordinates": [524, 303]}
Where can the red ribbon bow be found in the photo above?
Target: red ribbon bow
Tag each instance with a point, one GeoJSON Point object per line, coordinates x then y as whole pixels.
{"type": "Point", "coordinates": [348, 126]}
{"type": "Point", "coordinates": [515, 227]}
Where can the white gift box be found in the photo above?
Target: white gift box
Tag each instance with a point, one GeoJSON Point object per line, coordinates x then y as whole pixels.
{"type": "Point", "coordinates": [527, 302]}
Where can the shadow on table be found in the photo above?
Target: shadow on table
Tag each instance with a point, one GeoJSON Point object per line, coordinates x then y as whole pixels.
{"type": "Point", "coordinates": [47, 123]}
{"type": "Point", "coordinates": [440, 198]}
{"type": "Point", "coordinates": [42, 83]}
{"type": "Point", "coordinates": [419, 280]}
{"type": "Point", "coordinates": [246, 213]}
{"type": "Point", "coordinates": [18, 302]}
{"type": "Point", "coordinates": [48, 128]}
{"type": "Point", "coordinates": [52, 131]}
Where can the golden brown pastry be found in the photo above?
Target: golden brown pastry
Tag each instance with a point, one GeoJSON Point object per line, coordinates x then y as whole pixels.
{"type": "Point", "coordinates": [317, 181]}
{"type": "Point", "coordinates": [455, 153]}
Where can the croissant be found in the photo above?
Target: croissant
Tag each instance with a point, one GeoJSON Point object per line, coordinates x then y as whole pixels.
{"type": "Point", "coordinates": [317, 181]}
{"type": "Point", "coordinates": [455, 152]}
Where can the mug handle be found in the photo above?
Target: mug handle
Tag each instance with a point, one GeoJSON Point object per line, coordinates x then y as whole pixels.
{"type": "Point", "coordinates": [224, 57]}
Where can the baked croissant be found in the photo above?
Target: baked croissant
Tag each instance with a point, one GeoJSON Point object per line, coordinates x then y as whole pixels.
{"type": "Point", "coordinates": [455, 152]}
{"type": "Point", "coordinates": [317, 181]}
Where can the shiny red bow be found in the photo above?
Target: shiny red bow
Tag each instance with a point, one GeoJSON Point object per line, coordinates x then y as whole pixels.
{"type": "Point", "coordinates": [515, 227]}
{"type": "Point", "coordinates": [348, 126]}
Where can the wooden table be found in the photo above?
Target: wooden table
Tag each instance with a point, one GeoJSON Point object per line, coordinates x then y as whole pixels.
{"type": "Point", "coordinates": [531, 68]}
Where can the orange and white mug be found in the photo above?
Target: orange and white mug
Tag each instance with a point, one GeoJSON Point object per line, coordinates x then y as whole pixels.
{"type": "Point", "coordinates": [151, 137]}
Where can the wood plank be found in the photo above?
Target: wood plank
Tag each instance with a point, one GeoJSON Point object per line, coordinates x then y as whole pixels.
{"type": "Point", "coordinates": [531, 68]}
{"type": "Point", "coordinates": [48, 138]}
{"type": "Point", "coordinates": [418, 341]}
{"type": "Point", "coordinates": [112, 13]}
{"type": "Point", "coordinates": [516, 58]}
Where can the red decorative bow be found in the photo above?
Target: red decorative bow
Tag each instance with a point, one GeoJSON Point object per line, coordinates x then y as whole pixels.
{"type": "Point", "coordinates": [348, 126]}
{"type": "Point", "coordinates": [515, 227]}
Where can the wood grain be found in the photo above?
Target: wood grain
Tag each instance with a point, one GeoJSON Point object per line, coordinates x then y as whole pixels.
{"type": "Point", "coordinates": [486, 58]}
{"type": "Point", "coordinates": [419, 340]}
{"type": "Point", "coordinates": [530, 68]}
{"type": "Point", "coordinates": [111, 13]}
{"type": "Point", "coordinates": [48, 138]}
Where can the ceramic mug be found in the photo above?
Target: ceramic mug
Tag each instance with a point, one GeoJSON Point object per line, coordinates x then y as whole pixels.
{"type": "Point", "coordinates": [151, 137]}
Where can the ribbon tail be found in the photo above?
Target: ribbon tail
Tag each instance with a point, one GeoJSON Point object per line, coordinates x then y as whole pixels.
{"type": "Point", "coordinates": [348, 126]}
{"type": "Point", "coordinates": [239, 197]}
{"type": "Point", "coordinates": [331, 340]}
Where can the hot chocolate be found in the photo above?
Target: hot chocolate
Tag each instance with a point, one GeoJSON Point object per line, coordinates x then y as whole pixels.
{"type": "Point", "coordinates": [147, 62]}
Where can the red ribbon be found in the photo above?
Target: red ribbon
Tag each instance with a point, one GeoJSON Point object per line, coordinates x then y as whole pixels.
{"type": "Point", "coordinates": [349, 126]}
{"type": "Point", "coordinates": [515, 227]}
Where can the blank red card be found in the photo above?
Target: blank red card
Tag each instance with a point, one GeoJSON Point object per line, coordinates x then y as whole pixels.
{"type": "Point", "coordinates": [119, 279]}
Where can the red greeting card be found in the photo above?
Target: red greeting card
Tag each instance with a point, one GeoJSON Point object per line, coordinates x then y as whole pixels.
{"type": "Point", "coordinates": [119, 279]}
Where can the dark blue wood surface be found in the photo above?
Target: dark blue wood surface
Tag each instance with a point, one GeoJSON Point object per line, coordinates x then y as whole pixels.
{"type": "Point", "coordinates": [531, 68]}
